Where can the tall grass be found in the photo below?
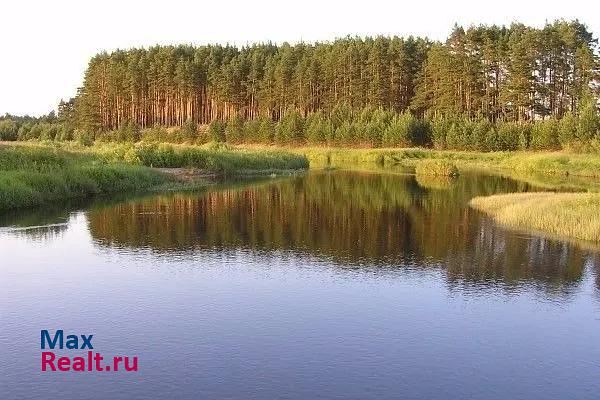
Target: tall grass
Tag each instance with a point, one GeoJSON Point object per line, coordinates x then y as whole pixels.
{"type": "Point", "coordinates": [217, 158]}
{"type": "Point", "coordinates": [34, 175]}
{"type": "Point", "coordinates": [571, 215]}
{"type": "Point", "coordinates": [436, 168]}
{"type": "Point", "coordinates": [31, 176]}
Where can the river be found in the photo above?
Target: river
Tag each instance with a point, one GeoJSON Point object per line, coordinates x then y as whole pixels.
{"type": "Point", "coordinates": [325, 285]}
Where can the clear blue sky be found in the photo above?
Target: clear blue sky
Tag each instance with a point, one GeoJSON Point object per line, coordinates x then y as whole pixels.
{"type": "Point", "coordinates": [46, 44]}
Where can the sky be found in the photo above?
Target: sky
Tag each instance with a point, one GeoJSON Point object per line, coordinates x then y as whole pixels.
{"type": "Point", "coordinates": [46, 45]}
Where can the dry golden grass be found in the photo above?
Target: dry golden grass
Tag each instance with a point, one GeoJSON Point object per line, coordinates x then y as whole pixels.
{"type": "Point", "coordinates": [569, 215]}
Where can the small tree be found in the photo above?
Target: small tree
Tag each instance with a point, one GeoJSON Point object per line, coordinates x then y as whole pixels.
{"type": "Point", "coordinates": [567, 129]}
{"type": "Point", "coordinates": [266, 131]}
{"type": "Point", "coordinates": [588, 121]}
{"type": "Point", "coordinates": [290, 128]}
{"type": "Point", "coordinates": [189, 131]}
{"type": "Point", "coordinates": [544, 135]}
{"type": "Point", "coordinates": [234, 131]}
{"type": "Point", "coordinates": [252, 130]}
{"type": "Point", "coordinates": [346, 133]}
{"type": "Point", "coordinates": [128, 132]}
{"type": "Point", "coordinates": [315, 128]}
{"type": "Point", "coordinates": [216, 131]}
{"type": "Point", "coordinates": [84, 138]}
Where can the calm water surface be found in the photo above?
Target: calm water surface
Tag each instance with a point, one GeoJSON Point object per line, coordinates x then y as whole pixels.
{"type": "Point", "coordinates": [329, 285]}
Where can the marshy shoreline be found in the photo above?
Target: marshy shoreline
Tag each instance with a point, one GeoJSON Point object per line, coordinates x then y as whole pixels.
{"type": "Point", "coordinates": [34, 174]}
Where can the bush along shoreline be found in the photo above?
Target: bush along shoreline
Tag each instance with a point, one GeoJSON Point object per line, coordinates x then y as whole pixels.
{"type": "Point", "coordinates": [441, 168]}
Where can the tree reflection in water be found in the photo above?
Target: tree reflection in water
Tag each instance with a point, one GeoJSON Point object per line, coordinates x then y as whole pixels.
{"type": "Point", "coordinates": [354, 219]}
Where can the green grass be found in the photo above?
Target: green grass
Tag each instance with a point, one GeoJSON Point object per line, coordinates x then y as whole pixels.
{"type": "Point", "coordinates": [434, 167]}
{"type": "Point", "coordinates": [218, 159]}
{"type": "Point", "coordinates": [33, 175]}
{"type": "Point", "coordinates": [569, 215]}
{"type": "Point", "coordinates": [523, 162]}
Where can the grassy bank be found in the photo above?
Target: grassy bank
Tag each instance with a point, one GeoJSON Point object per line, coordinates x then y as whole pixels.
{"type": "Point", "coordinates": [523, 162]}
{"type": "Point", "coordinates": [569, 215]}
{"type": "Point", "coordinates": [32, 175]}
{"type": "Point", "coordinates": [221, 159]}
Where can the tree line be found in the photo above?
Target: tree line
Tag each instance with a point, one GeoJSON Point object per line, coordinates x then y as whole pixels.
{"type": "Point", "coordinates": [485, 87]}
{"type": "Point", "coordinates": [515, 73]}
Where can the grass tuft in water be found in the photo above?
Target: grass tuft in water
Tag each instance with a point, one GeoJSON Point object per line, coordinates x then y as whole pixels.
{"type": "Point", "coordinates": [436, 168]}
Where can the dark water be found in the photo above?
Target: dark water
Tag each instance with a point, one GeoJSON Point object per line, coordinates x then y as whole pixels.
{"type": "Point", "coordinates": [330, 285]}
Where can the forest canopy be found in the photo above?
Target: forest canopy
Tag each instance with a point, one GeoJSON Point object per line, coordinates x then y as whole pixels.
{"type": "Point", "coordinates": [511, 73]}
{"type": "Point", "coordinates": [485, 88]}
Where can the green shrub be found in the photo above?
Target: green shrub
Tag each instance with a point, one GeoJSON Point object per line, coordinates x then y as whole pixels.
{"type": "Point", "coordinates": [459, 135]}
{"type": "Point", "coordinates": [252, 130]}
{"type": "Point", "coordinates": [234, 131]}
{"type": "Point", "coordinates": [266, 132]}
{"type": "Point", "coordinates": [128, 132]}
{"type": "Point", "coordinates": [84, 138]}
{"type": "Point", "coordinates": [439, 130]}
{"type": "Point", "coordinates": [567, 129]}
{"type": "Point", "coordinates": [544, 135]}
{"type": "Point", "coordinates": [346, 133]}
{"type": "Point", "coordinates": [484, 135]}
{"type": "Point", "coordinates": [188, 133]}
{"type": "Point", "coordinates": [400, 131]}
{"type": "Point", "coordinates": [155, 134]}
{"type": "Point", "coordinates": [588, 124]}
{"type": "Point", "coordinates": [290, 129]}
{"type": "Point", "coordinates": [8, 130]}
{"type": "Point", "coordinates": [65, 133]}
{"type": "Point", "coordinates": [511, 136]}
{"type": "Point", "coordinates": [23, 133]}
{"type": "Point", "coordinates": [216, 131]}
{"type": "Point", "coordinates": [316, 128]}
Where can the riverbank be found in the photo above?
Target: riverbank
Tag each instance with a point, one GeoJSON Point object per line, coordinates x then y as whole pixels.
{"type": "Point", "coordinates": [567, 215]}
{"type": "Point", "coordinates": [523, 162]}
{"type": "Point", "coordinates": [216, 158]}
{"type": "Point", "coordinates": [33, 175]}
